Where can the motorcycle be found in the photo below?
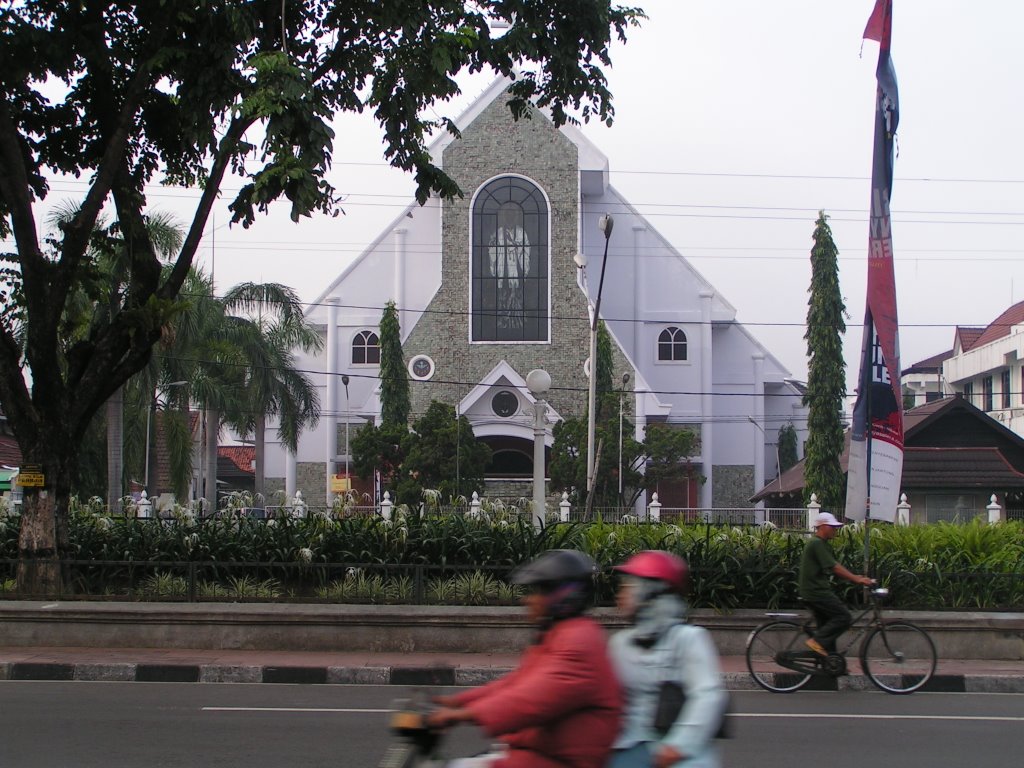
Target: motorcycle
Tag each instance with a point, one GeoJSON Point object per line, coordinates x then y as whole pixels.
{"type": "Point", "coordinates": [417, 743]}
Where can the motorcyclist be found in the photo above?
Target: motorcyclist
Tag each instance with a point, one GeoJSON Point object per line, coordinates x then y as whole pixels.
{"type": "Point", "coordinates": [560, 707]}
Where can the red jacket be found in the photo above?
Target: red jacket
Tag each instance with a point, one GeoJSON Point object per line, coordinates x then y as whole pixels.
{"type": "Point", "coordinates": [560, 707]}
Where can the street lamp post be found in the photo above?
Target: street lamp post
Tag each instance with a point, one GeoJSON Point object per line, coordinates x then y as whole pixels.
{"type": "Point", "coordinates": [538, 381]}
{"type": "Point", "coordinates": [344, 382]}
{"type": "Point", "coordinates": [605, 224]}
{"type": "Point", "coordinates": [778, 464]}
{"type": "Point", "coordinates": [622, 389]}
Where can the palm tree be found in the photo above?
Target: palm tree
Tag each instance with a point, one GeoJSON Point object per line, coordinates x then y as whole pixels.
{"type": "Point", "coordinates": [236, 354]}
{"type": "Point", "coordinates": [272, 384]}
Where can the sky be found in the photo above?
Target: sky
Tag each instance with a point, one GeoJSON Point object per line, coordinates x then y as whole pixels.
{"type": "Point", "coordinates": [736, 122]}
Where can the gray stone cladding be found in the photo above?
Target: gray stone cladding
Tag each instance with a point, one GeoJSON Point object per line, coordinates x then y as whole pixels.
{"type": "Point", "coordinates": [311, 479]}
{"type": "Point", "coordinates": [492, 145]}
{"type": "Point", "coordinates": [732, 486]}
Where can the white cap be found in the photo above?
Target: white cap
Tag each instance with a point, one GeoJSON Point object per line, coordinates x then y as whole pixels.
{"type": "Point", "coordinates": [827, 518]}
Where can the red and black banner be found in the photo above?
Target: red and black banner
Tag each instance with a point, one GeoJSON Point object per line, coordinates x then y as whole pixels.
{"type": "Point", "coordinates": [876, 444]}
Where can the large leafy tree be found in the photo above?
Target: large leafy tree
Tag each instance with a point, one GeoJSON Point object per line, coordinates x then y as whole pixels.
{"type": "Point", "coordinates": [125, 93]}
{"type": "Point", "coordinates": [826, 371]}
{"type": "Point", "coordinates": [443, 455]}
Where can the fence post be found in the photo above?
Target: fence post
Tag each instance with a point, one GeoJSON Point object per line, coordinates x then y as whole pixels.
{"type": "Point", "coordinates": [903, 511]}
{"type": "Point", "coordinates": [654, 509]}
{"type": "Point", "coordinates": [813, 509]}
{"type": "Point", "coordinates": [385, 506]}
{"type": "Point", "coordinates": [298, 505]}
{"type": "Point", "coordinates": [995, 512]}
{"type": "Point", "coordinates": [474, 506]}
{"type": "Point", "coordinates": [145, 507]}
{"type": "Point", "coordinates": [564, 508]}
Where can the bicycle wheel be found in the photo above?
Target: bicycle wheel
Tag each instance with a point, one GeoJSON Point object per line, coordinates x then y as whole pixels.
{"type": "Point", "coordinates": [898, 657]}
{"type": "Point", "coordinates": [763, 648]}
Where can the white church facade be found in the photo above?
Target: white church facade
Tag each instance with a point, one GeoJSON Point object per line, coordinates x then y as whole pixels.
{"type": "Point", "coordinates": [489, 286]}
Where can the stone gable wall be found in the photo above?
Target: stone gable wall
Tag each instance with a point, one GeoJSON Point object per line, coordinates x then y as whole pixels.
{"type": "Point", "coordinates": [495, 144]}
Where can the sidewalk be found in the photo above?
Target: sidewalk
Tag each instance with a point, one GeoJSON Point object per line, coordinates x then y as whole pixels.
{"type": "Point", "coordinates": [366, 667]}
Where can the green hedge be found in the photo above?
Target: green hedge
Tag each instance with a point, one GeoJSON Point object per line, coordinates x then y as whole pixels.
{"type": "Point", "coordinates": [939, 566]}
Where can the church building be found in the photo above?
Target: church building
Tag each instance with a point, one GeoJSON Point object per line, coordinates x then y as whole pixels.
{"type": "Point", "coordinates": [501, 281]}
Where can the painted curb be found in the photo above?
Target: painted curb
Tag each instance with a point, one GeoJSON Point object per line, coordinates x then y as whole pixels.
{"type": "Point", "coordinates": [415, 676]}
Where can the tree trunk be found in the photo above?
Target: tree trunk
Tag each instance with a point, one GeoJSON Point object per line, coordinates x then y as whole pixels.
{"type": "Point", "coordinates": [259, 475]}
{"type": "Point", "coordinates": [43, 536]}
{"type": "Point", "coordinates": [115, 450]}
{"type": "Point", "coordinates": [210, 475]}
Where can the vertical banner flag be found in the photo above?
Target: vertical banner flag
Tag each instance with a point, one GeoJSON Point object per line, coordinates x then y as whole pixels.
{"type": "Point", "coordinates": [876, 444]}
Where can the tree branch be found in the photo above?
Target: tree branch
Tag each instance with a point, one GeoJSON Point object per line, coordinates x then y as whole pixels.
{"type": "Point", "coordinates": [226, 151]}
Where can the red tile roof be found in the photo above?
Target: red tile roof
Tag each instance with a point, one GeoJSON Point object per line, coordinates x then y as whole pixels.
{"type": "Point", "coordinates": [985, 468]}
{"type": "Point", "coordinates": [967, 336]}
{"type": "Point", "coordinates": [931, 364]}
{"type": "Point", "coordinates": [1000, 327]}
{"type": "Point", "coordinates": [10, 453]}
{"type": "Point", "coordinates": [242, 456]}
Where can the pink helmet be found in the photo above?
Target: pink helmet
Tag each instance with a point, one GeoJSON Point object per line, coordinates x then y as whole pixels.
{"type": "Point", "coordinates": [663, 566]}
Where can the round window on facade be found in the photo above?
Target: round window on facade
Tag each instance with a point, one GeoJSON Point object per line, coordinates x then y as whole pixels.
{"type": "Point", "coordinates": [505, 404]}
{"type": "Point", "coordinates": [421, 367]}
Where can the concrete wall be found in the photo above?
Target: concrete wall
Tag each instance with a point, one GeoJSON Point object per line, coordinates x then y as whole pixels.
{"type": "Point", "coordinates": [974, 635]}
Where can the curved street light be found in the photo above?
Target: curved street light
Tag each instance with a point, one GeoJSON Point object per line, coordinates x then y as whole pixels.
{"type": "Point", "coordinates": [606, 223]}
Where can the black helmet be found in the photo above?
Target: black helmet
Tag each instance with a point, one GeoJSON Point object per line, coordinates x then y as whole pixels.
{"type": "Point", "coordinates": [555, 566]}
{"type": "Point", "coordinates": [564, 577]}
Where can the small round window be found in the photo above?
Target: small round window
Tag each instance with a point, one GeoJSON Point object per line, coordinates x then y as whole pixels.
{"type": "Point", "coordinates": [505, 404]}
{"type": "Point", "coordinates": [421, 367]}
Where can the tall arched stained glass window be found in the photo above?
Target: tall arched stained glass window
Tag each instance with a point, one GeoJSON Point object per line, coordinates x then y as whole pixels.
{"type": "Point", "coordinates": [509, 262]}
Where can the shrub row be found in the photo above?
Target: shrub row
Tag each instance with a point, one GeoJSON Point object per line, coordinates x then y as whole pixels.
{"type": "Point", "coordinates": [939, 566]}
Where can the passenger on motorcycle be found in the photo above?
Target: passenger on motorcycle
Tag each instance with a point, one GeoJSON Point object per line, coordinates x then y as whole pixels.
{"type": "Point", "coordinates": [660, 647]}
{"type": "Point", "coordinates": [560, 707]}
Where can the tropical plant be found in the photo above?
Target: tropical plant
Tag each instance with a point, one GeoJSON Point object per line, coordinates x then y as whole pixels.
{"type": "Point", "coordinates": [442, 454]}
{"type": "Point", "coordinates": [186, 93]}
{"type": "Point", "coordinates": [787, 445]}
{"type": "Point", "coordinates": [826, 372]}
{"type": "Point", "coordinates": [272, 385]}
{"type": "Point", "coordinates": [394, 380]}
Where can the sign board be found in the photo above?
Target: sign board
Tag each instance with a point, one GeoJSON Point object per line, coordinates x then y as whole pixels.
{"type": "Point", "coordinates": [340, 484]}
{"type": "Point", "coordinates": [30, 479]}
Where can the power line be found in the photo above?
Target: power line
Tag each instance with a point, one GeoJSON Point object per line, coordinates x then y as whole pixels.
{"type": "Point", "coordinates": [667, 320]}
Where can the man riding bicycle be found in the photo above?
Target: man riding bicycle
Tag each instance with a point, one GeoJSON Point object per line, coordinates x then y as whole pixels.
{"type": "Point", "coordinates": [815, 586]}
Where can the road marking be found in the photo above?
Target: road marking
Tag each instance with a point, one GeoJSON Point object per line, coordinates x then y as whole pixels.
{"type": "Point", "coordinates": [825, 716]}
{"type": "Point", "coordinates": [293, 709]}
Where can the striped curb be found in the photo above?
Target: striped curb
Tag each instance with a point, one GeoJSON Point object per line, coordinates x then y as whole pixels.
{"type": "Point", "coordinates": [414, 676]}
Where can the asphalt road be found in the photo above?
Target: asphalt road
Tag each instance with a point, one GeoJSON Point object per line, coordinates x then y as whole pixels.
{"type": "Point", "coordinates": [138, 725]}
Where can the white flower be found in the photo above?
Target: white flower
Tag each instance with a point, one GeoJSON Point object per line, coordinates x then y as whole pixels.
{"type": "Point", "coordinates": [306, 554]}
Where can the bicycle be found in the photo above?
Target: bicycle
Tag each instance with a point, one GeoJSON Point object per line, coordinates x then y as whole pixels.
{"type": "Point", "coordinates": [897, 656]}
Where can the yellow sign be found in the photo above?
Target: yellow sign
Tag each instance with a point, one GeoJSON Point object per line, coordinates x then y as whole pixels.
{"type": "Point", "coordinates": [30, 480]}
{"type": "Point", "coordinates": [340, 484]}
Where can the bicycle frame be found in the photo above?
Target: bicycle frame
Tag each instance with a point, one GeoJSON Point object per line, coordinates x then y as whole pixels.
{"type": "Point", "coordinates": [809, 662]}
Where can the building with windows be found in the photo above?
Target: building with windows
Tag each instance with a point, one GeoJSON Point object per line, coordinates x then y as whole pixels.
{"type": "Point", "coordinates": [502, 281]}
{"type": "Point", "coordinates": [987, 367]}
{"type": "Point", "coordinates": [955, 459]}
{"type": "Point", "coordinates": [923, 382]}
